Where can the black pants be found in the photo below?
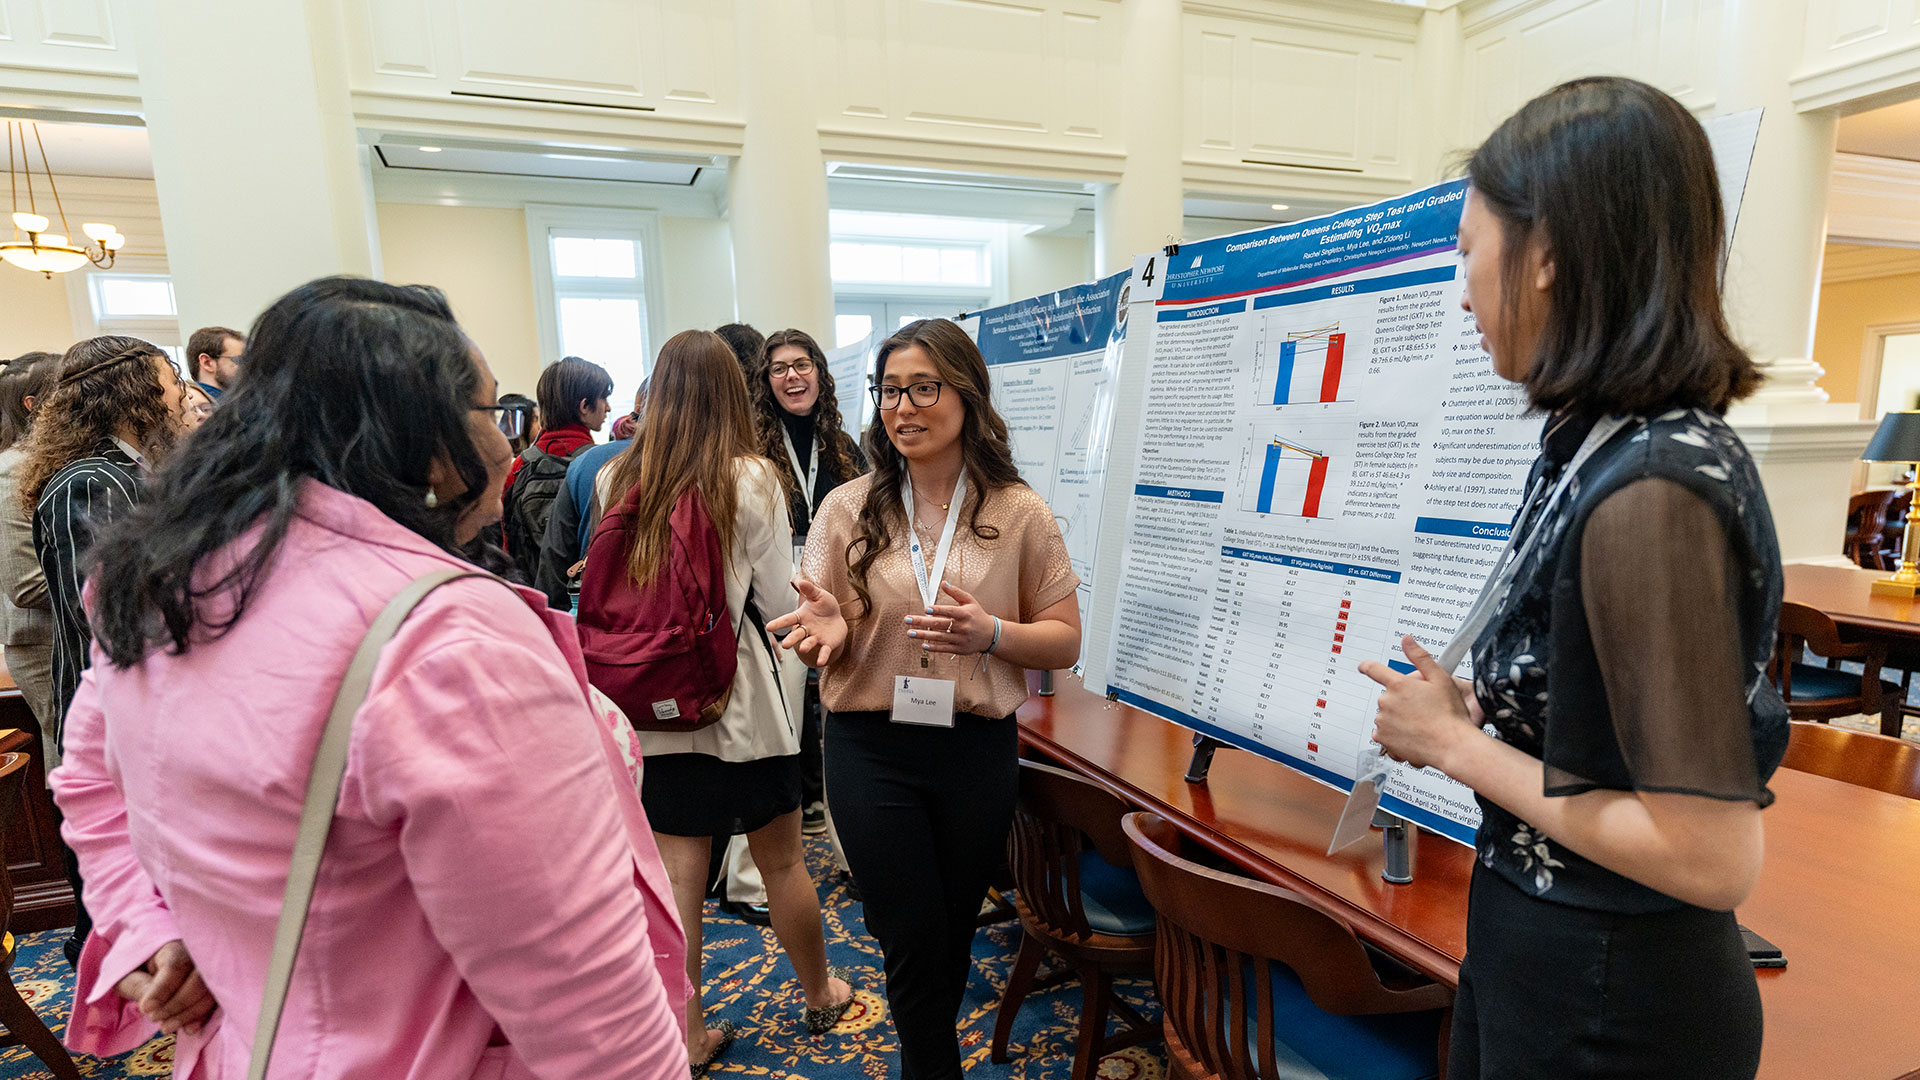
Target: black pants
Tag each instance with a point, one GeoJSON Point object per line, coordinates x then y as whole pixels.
{"type": "Point", "coordinates": [813, 787]}
{"type": "Point", "coordinates": [923, 815]}
{"type": "Point", "coordinates": [1549, 990]}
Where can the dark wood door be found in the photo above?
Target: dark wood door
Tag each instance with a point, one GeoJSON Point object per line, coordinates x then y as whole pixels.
{"type": "Point", "coordinates": [42, 899]}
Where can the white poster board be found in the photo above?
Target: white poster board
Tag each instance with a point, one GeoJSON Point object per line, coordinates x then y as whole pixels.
{"type": "Point", "coordinates": [1053, 361]}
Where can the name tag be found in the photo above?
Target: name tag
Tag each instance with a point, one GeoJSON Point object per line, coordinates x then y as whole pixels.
{"type": "Point", "coordinates": [926, 702]}
{"type": "Point", "coordinates": [799, 549]}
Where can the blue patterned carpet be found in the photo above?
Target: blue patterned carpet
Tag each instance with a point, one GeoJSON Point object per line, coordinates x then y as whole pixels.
{"type": "Point", "coordinates": [749, 982]}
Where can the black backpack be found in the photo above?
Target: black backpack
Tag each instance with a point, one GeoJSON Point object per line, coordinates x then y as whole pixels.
{"type": "Point", "coordinates": [529, 504]}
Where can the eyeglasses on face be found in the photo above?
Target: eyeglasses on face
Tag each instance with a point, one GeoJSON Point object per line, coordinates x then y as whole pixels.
{"type": "Point", "coordinates": [798, 367]}
{"type": "Point", "coordinates": [922, 394]}
{"type": "Point", "coordinates": [512, 420]}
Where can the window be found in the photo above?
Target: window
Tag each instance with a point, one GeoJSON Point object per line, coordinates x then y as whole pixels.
{"type": "Point", "coordinates": [887, 262]}
{"type": "Point", "coordinates": [601, 294]}
{"type": "Point", "coordinates": [890, 269]}
{"type": "Point", "coordinates": [137, 302]}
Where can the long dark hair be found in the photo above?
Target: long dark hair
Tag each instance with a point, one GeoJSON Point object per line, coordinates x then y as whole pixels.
{"type": "Point", "coordinates": [696, 433]}
{"type": "Point", "coordinates": [829, 430]}
{"type": "Point", "coordinates": [984, 451]}
{"type": "Point", "coordinates": [1617, 179]}
{"type": "Point", "coordinates": [357, 384]}
{"type": "Point", "coordinates": [28, 375]}
{"type": "Point", "coordinates": [104, 384]}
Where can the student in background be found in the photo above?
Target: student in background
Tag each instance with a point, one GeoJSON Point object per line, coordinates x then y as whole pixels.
{"type": "Point", "coordinates": [197, 407]}
{"type": "Point", "coordinates": [940, 567]}
{"type": "Point", "coordinates": [575, 513]}
{"type": "Point", "coordinates": [530, 430]}
{"type": "Point", "coordinates": [489, 903]}
{"type": "Point", "coordinates": [741, 774]}
{"type": "Point", "coordinates": [797, 418]}
{"type": "Point", "coordinates": [1624, 668]}
{"type": "Point", "coordinates": [113, 414]}
{"type": "Point", "coordinates": [573, 405]}
{"type": "Point", "coordinates": [29, 618]}
{"type": "Point", "coordinates": [214, 354]}
{"type": "Point", "coordinates": [746, 343]}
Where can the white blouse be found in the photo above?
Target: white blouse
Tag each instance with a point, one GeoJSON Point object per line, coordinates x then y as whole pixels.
{"type": "Point", "coordinates": [763, 715]}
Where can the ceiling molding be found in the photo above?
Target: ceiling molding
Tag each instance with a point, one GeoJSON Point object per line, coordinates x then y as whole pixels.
{"type": "Point", "coordinates": [515, 192]}
{"type": "Point", "coordinates": [1874, 199]}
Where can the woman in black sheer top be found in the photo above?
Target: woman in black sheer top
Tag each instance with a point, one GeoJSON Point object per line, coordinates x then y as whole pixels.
{"type": "Point", "coordinates": [1622, 674]}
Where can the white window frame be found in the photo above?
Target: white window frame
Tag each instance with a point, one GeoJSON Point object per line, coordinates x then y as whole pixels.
{"type": "Point", "coordinates": [640, 225]}
{"type": "Point", "coordinates": [161, 330]}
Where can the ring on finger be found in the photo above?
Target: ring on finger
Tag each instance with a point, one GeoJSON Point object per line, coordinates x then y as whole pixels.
{"type": "Point", "coordinates": [949, 626]}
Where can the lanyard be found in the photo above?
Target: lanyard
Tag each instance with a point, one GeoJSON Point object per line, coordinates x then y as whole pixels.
{"type": "Point", "coordinates": [813, 466]}
{"type": "Point", "coordinates": [930, 583]}
{"type": "Point", "coordinates": [139, 458]}
{"type": "Point", "coordinates": [1494, 593]}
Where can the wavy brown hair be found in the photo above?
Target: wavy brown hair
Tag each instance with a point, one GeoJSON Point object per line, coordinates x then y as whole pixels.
{"type": "Point", "coordinates": [695, 432]}
{"type": "Point", "coordinates": [984, 451]}
{"type": "Point", "coordinates": [829, 430]}
{"type": "Point", "coordinates": [25, 376]}
{"type": "Point", "coordinates": [105, 383]}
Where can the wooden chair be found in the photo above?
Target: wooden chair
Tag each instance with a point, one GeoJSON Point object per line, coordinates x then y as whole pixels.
{"type": "Point", "coordinates": [1259, 984]}
{"type": "Point", "coordinates": [24, 1026]}
{"type": "Point", "coordinates": [1865, 541]}
{"type": "Point", "coordinates": [1855, 757]}
{"type": "Point", "coordinates": [1817, 693]}
{"type": "Point", "coordinates": [1078, 899]}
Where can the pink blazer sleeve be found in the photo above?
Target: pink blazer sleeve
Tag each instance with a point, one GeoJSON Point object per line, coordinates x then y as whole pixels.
{"type": "Point", "coordinates": [480, 751]}
{"type": "Point", "coordinates": [130, 921]}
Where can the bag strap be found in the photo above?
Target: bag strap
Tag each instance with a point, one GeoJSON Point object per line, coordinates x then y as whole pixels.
{"type": "Point", "coordinates": [323, 793]}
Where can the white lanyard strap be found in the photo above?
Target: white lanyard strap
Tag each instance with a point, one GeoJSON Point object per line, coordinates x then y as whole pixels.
{"type": "Point", "coordinates": [139, 458]}
{"type": "Point", "coordinates": [813, 465]}
{"type": "Point", "coordinates": [930, 583]}
{"type": "Point", "coordinates": [1494, 593]}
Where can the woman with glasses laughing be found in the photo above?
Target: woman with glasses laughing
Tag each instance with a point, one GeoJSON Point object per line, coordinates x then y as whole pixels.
{"type": "Point", "coordinates": [928, 587]}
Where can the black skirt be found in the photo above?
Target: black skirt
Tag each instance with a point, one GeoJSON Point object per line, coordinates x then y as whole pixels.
{"type": "Point", "coordinates": [1550, 990]}
{"type": "Point", "coordinates": [700, 795]}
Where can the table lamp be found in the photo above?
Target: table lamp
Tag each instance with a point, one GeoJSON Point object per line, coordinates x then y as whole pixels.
{"type": "Point", "coordinates": [1898, 440]}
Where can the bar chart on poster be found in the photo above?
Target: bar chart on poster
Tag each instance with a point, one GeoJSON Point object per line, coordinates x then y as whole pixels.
{"type": "Point", "coordinates": [1307, 366]}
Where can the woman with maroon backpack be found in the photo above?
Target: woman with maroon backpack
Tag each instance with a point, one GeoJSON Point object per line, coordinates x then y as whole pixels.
{"type": "Point", "coordinates": [694, 547]}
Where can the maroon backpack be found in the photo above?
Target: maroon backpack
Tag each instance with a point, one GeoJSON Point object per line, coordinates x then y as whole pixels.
{"type": "Point", "coordinates": [664, 651]}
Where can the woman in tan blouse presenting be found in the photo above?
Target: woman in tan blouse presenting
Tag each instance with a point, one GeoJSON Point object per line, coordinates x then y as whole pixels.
{"type": "Point", "coordinates": [928, 587]}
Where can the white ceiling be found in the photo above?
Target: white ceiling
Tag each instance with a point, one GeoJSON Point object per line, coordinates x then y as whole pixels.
{"type": "Point", "coordinates": [85, 149]}
{"type": "Point", "coordinates": [1893, 132]}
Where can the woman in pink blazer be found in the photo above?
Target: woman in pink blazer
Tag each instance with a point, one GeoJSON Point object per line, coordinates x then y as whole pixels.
{"type": "Point", "coordinates": [490, 903]}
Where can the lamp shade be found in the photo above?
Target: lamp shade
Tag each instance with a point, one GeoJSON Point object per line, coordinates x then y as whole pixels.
{"type": "Point", "coordinates": [1897, 438]}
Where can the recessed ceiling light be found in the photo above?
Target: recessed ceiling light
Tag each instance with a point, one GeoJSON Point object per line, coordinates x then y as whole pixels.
{"type": "Point", "coordinates": [1279, 206]}
{"type": "Point", "coordinates": [429, 149]}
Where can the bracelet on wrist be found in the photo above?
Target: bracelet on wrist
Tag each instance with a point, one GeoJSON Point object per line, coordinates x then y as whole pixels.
{"type": "Point", "coordinates": [995, 643]}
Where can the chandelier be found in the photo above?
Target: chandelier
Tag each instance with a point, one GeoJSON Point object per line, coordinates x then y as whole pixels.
{"type": "Point", "coordinates": [46, 252]}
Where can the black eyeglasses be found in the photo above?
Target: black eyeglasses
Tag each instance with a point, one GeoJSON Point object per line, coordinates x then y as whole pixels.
{"type": "Point", "coordinates": [512, 420]}
{"type": "Point", "coordinates": [922, 394]}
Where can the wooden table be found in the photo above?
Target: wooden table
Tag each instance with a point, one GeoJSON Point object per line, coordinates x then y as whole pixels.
{"type": "Point", "coordinates": [1846, 594]}
{"type": "Point", "coordinates": [42, 899]}
{"type": "Point", "coordinates": [1837, 892]}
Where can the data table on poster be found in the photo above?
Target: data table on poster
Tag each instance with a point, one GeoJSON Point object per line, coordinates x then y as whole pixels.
{"type": "Point", "coordinates": [1277, 664]}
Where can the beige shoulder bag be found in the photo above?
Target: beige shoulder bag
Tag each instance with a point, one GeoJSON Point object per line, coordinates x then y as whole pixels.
{"type": "Point", "coordinates": [323, 794]}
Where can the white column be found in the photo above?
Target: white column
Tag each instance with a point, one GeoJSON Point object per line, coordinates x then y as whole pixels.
{"type": "Point", "coordinates": [255, 159]}
{"type": "Point", "coordinates": [777, 187]}
{"type": "Point", "coordinates": [1143, 212]}
{"type": "Point", "coordinates": [1437, 67]}
{"type": "Point", "coordinates": [1773, 273]}
{"type": "Point", "coordinates": [1806, 448]}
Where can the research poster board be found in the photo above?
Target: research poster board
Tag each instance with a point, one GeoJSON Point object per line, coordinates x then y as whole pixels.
{"type": "Point", "coordinates": [1052, 361]}
{"type": "Point", "coordinates": [849, 365]}
{"type": "Point", "coordinates": [1311, 456]}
